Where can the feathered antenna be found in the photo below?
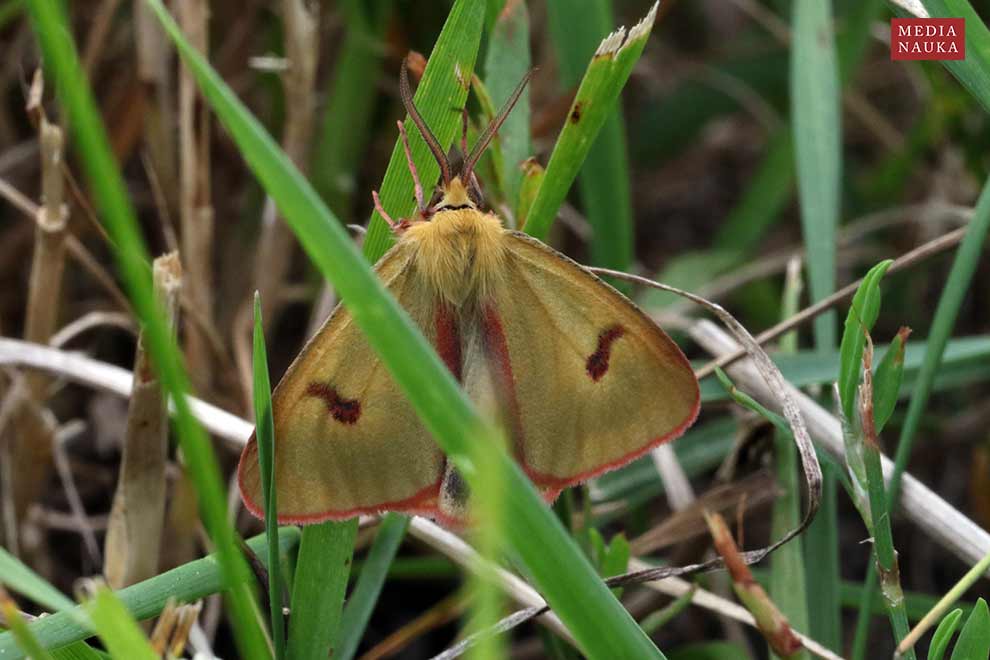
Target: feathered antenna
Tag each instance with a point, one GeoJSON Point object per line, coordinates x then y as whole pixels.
{"type": "Point", "coordinates": [424, 130]}
{"type": "Point", "coordinates": [486, 137]}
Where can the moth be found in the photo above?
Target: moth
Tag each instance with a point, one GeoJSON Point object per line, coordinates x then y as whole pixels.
{"type": "Point", "coordinates": [581, 379]}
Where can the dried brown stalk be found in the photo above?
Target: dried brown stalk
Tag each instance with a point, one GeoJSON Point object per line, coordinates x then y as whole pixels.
{"type": "Point", "coordinates": [447, 610]}
{"type": "Point", "coordinates": [906, 260]}
{"type": "Point", "coordinates": [133, 539]}
{"type": "Point", "coordinates": [755, 490]}
{"type": "Point", "coordinates": [275, 246]}
{"type": "Point", "coordinates": [945, 524]}
{"type": "Point", "coordinates": [153, 70]}
{"type": "Point", "coordinates": [30, 444]}
{"type": "Point", "coordinates": [196, 209]}
{"type": "Point", "coordinates": [98, 31]}
{"type": "Point", "coordinates": [769, 621]}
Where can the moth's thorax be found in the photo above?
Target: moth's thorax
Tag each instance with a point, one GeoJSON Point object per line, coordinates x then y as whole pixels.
{"type": "Point", "coordinates": [459, 253]}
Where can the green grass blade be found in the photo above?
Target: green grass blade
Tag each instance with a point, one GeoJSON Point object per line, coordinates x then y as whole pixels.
{"type": "Point", "coordinates": [974, 71]}
{"type": "Point", "coordinates": [887, 383]}
{"type": "Point", "coordinates": [946, 312]}
{"type": "Point", "coordinates": [19, 630]}
{"type": "Point", "coordinates": [974, 638]}
{"type": "Point", "coordinates": [602, 626]}
{"type": "Point", "coordinates": [862, 315]}
{"type": "Point", "coordinates": [966, 360]}
{"type": "Point", "coordinates": [506, 62]}
{"type": "Point", "coordinates": [116, 627]}
{"type": "Point", "coordinates": [103, 176]}
{"type": "Point", "coordinates": [322, 571]}
{"type": "Point", "coordinates": [604, 181]}
{"type": "Point", "coordinates": [816, 127]}
{"type": "Point", "coordinates": [956, 287]}
{"type": "Point", "coordinates": [265, 435]}
{"type": "Point", "coordinates": [186, 583]}
{"type": "Point", "coordinates": [788, 582]}
{"type": "Point", "coordinates": [351, 96]}
{"type": "Point", "coordinates": [943, 635]}
{"type": "Point", "coordinates": [821, 557]}
{"type": "Point", "coordinates": [816, 118]}
{"type": "Point", "coordinates": [439, 92]}
{"type": "Point", "coordinates": [374, 571]}
{"type": "Point", "coordinates": [594, 103]}
{"type": "Point", "coordinates": [18, 577]}
{"type": "Point", "coordinates": [439, 95]}
{"type": "Point", "coordinates": [768, 192]}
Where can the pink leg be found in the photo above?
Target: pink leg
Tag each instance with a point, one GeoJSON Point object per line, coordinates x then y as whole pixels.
{"type": "Point", "coordinates": [417, 186]}
{"type": "Point", "coordinates": [381, 210]}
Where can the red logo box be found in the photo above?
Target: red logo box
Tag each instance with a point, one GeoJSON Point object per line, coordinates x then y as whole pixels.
{"type": "Point", "coordinates": [927, 39]}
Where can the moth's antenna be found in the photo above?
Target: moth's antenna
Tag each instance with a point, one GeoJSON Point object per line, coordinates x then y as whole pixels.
{"type": "Point", "coordinates": [486, 137]}
{"type": "Point", "coordinates": [424, 130]}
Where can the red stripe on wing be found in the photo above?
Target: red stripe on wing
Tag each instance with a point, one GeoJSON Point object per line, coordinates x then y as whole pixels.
{"type": "Point", "coordinates": [448, 338]}
{"type": "Point", "coordinates": [497, 351]}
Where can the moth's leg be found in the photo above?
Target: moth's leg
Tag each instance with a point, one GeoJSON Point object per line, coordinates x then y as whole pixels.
{"type": "Point", "coordinates": [382, 212]}
{"type": "Point", "coordinates": [417, 185]}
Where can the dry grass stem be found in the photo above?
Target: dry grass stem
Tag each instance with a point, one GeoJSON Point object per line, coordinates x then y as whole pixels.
{"type": "Point", "coordinates": [155, 74]}
{"type": "Point", "coordinates": [755, 491]}
{"type": "Point", "coordinates": [301, 22]}
{"type": "Point", "coordinates": [906, 260]}
{"type": "Point", "coordinates": [456, 549]}
{"type": "Point", "coordinates": [677, 486]}
{"type": "Point", "coordinates": [116, 380]}
{"type": "Point", "coordinates": [63, 436]}
{"type": "Point", "coordinates": [849, 237]}
{"type": "Point", "coordinates": [134, 533]}
{"type": "Point", "coordinates": [196, 207]}
{"type": "Point", "coordinates": [90, 321]}
{"type": "Point", "coordinates": [945, 524]}
{"type": "Point", "coordinates": [96, 40]}
{"type": "Point", "coordinates": [770, 622]}
{"type": "Point", "coordinates": [675, 587]}
{"type": "Point", "coordinates": [30, 445]}
{"type": "Point", "coordinates": [444, 612]}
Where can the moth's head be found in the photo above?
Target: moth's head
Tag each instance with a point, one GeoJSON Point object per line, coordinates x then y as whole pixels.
{"type": "Point", "coordinates": [458, 187]}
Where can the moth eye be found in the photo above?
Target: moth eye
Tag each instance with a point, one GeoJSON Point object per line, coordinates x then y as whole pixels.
{"type": "Point", "coordinates": [597, 364]}
{"type": "Point", "coordinates": [345, 411]}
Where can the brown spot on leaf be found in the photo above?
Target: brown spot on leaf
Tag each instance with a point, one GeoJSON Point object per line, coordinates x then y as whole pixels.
{"type": "Point", "coordinates": [576, 113]}
{"type": "Point", "coordinates": [345, 411]}
{"type": "Point", "coordinates": [597, 364]}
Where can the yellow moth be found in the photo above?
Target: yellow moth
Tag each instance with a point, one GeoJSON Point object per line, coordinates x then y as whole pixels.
{"type": "Point", "coordinates": [581, 380]}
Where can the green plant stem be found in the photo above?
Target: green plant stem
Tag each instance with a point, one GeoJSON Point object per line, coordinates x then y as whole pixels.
{"type": "Point", "coordinates": [189, 582]}
{"type": "Point", "coordinates": [883, 543]}
{"type": "Point", "coordinates": [963, 268]}
{"type": "Point", "coordinates": [604, 181]}
{"type": "Point", "coordinates": [265, 436]}
{"type": "Point", "coordinates": [374, 571]}
{"type": "Point", "coordinates": [322, 571]}
{"type": "Point", "coordinates": [788, 582]}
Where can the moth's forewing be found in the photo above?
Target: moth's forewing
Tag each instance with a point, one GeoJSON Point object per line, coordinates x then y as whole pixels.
{"type": "Point", "coordinates": [347, 441]}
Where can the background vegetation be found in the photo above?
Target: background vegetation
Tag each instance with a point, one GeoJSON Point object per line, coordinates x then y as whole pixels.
{"type": "Point", "coordinates": [761, 153]}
